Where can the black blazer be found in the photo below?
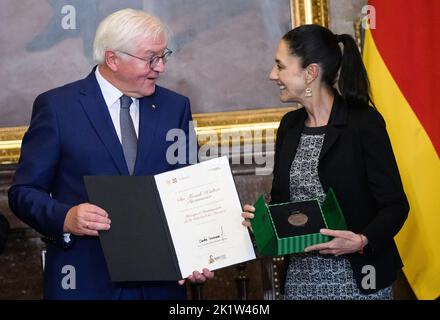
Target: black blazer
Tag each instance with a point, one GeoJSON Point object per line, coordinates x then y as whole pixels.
{"type": "Point", "coordinates": [357, 161]}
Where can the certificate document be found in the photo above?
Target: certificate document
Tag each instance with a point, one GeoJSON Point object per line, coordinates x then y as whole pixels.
{"type": "Point", "coordinates": [203, 213]}
{"type": "Point", "coordinates": [166, 226]}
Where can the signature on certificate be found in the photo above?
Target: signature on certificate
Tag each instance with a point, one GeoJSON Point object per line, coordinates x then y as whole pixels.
{"type": "Point", "coordinates": [213, 238]}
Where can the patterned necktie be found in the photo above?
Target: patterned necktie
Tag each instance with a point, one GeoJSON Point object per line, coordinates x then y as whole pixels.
{"type": "Point", "coordinates": [128, 133]}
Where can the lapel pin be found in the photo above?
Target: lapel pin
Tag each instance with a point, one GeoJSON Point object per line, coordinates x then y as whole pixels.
{"type": "Point", "coordinates": [153, 106]}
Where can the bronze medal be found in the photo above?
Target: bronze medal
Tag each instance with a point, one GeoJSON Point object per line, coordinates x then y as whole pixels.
{"type": "Point", "coordinates": [297, 219]}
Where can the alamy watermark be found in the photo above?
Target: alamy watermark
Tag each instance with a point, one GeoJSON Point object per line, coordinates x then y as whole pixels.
{"type": "Point", "coordinates": [368, 14]}
{"type": "Point", "coordinates": [369, 280]}
{"type": "Point", "coordinates": [249, 147]}
{"type": "Point", "coordinates": [68, 21]}
{"type": "Point", "coordinates": [68, 282]}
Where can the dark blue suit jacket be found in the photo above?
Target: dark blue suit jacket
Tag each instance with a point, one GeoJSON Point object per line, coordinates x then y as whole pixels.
{"type": "Point", "coordinates": [71, 135]}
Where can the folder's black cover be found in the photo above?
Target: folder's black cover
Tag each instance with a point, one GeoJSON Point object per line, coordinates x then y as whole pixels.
{"type": "Point", "coordinates": [138, 246]}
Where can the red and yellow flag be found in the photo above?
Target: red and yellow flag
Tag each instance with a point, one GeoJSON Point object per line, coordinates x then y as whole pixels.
{"type": "Point", "coordinates": [402, 56]}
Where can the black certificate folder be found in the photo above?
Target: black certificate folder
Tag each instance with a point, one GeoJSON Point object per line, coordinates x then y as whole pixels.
{"type": "Point", "coordinates": [138, 246]}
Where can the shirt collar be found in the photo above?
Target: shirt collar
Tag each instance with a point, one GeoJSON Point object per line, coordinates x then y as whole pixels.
{"type": "Point", "coordinates": [110, 93]}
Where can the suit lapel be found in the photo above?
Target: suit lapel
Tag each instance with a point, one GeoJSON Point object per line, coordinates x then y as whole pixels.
{"type": "Point", "coordinates": [338, 118]}
{"type": "Point", "coordinates": [148, 116]}
{"type": "Point", "coordinates": [94, 106]}
{"type": "Point", "coordinates": [292, 139]}
{"type": "Point", "coordinates": [290, 144]}
{"type": "Point", "coordinates": [331, 136]}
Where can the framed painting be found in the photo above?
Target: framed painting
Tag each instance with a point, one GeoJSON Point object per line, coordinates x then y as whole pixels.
{"type": "Point", "coordinates": [223, 53]}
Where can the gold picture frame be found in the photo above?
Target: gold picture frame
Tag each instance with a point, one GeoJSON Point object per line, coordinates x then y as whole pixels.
{"type": "Point", "coordinates": [308, 12]}
{"type": "Point", "coordinates": [239, 123]}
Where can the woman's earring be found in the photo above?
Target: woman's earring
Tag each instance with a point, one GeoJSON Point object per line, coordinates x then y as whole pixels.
{"type": "Point", "coordinates": [308, 92]}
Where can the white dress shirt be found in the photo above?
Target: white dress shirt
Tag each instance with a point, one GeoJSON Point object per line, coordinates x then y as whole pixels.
{"type": "Point", "coordinates": [111, 96]}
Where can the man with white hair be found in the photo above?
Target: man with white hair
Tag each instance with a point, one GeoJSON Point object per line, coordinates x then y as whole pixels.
{"type": "Point", "coordinates": [113, 122]}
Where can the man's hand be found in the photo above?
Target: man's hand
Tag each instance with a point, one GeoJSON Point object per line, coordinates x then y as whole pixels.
{"type": "Point", "coordinates": [86, 219]}
{"type": "Point", "coordinates": [198, 277]}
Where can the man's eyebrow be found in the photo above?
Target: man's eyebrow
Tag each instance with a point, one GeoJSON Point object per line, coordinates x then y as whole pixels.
{"type": "Point", "coordinates": [150, 52]}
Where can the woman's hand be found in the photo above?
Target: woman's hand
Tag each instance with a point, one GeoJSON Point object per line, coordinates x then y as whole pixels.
{"type": "Point", "coordinates": [247, 215]}
{"type": "Point", "coordinates": [198, 277]}
{"type": "Point", "coordinates": [344, 242]}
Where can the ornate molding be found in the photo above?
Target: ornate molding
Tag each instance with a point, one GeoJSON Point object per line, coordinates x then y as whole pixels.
{"type": "Point", "coordinates": [308, 12]}
{"type": "Point", "coordinates": [221, 125]}
{"type": "Point", "coordinates": [238, 124]}
{"type": "Point", "coordinates": [10, 143]}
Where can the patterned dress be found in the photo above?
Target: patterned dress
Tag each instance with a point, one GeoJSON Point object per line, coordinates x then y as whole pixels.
{"type": "Point", "coordinates": [312, 276]}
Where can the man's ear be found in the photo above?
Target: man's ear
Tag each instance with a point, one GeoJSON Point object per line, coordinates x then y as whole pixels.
{"type": "Point", "coordinates": [111, 59]}
{"type": "Point", "coordinates": [312, 72]}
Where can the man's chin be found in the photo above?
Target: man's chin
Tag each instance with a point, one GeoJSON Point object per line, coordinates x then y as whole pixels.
{"type": "Point", "coordinates": [149, 91]}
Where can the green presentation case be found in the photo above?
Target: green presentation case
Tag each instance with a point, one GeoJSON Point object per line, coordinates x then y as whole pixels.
{"type": "Point", "coordinates": [275, 236]}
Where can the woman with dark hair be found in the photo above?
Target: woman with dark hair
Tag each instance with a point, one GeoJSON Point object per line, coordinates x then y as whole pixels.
{"type": "Point", "coordinates": [336, 140]}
